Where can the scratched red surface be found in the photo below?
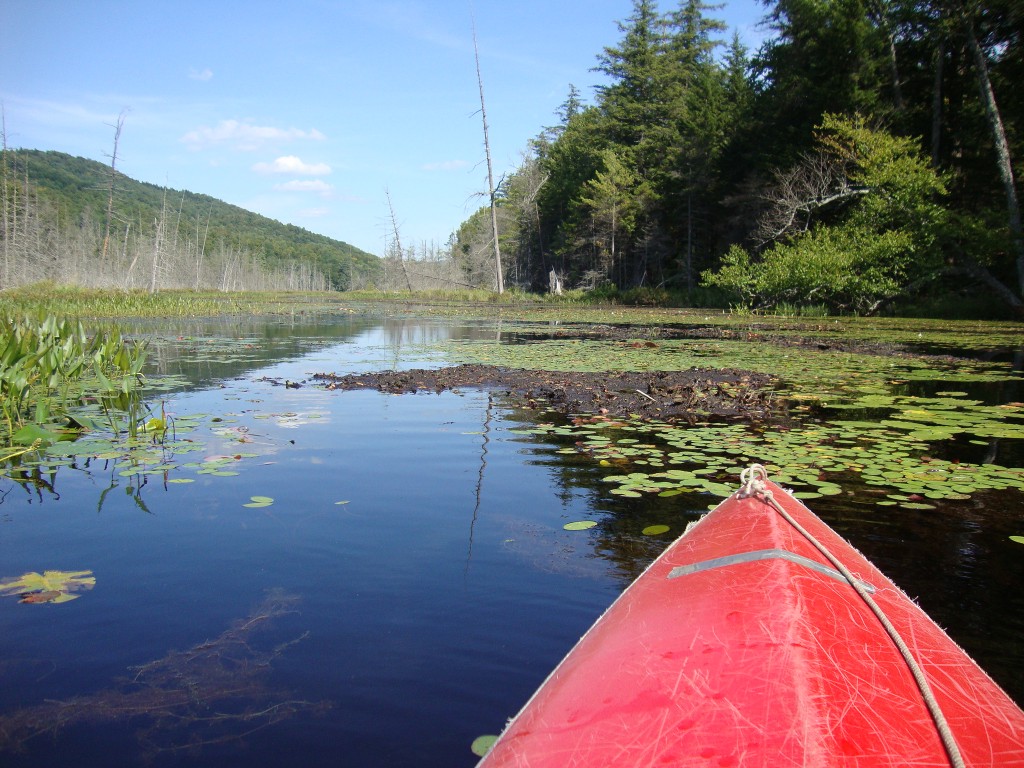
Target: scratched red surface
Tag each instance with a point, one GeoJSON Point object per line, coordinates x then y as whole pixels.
{"type": "Point", "coordinates": [765, 663]}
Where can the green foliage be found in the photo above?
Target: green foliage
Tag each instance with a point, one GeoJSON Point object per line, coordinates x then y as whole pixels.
{"type": "Point", "coordinates": [700, 137]}
{"type": "Point", "coordinates": [67, 301]}
{"type": "Point", "coordinates": [846, 268]}
{"type": "Point", "coordinates": [882, 242]}
{"type": "Point", "coordinates": [904, 186]}
{"type": "Point", "coordinates": [49, 366]}
{"type": "Point", "coordinates": [825, 56]}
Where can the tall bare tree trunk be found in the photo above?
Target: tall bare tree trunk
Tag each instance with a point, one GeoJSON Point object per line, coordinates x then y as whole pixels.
{"type": "Point", "coordinates": [113, 182]}
{"type": "Point", "coordinates": [499, 278]}
{"type": "Point", "coordinates": [995, 122]}
{"type": "Point", "coordinates": [158, 244]}
{"type": "Point", "coordinates": [398, 242]}
{"type": "Point", "coordinates": [201, 246]}
{"type": "Point", "coordinates": [6, 202]}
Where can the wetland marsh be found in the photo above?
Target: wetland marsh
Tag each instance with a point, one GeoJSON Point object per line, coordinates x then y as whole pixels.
{"type": "Point", "coordinates": [291, 570]}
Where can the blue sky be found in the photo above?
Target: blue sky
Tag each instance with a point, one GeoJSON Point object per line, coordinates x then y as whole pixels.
{"type": "Point", "coordinates": [311, 112]}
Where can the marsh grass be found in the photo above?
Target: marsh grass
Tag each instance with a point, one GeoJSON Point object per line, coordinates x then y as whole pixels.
{"type": "Point", "coordinates": [446, 295]}
{"type": "Point", "coordinates": [44, 299]}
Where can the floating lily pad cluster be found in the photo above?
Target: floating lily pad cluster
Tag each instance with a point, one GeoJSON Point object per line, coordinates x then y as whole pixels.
{"type": "Point", "coordinates": [810, 374]}
{"type": "Point", "coordinates": [153, 452]}
{"type": "Point", "coordinates": [817, 460]}
{"type": "Point", "coordinates": [167, 453]}
{"type": "Point", "coordinates": [854, 420]}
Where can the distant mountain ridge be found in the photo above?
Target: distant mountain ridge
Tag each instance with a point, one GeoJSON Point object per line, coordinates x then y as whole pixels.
{"type": "Point", "coordinates": [78, 188]}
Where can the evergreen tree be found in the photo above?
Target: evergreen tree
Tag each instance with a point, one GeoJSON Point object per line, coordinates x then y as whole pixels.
{"type": "Point", "coordinates": [825, 56]}
{"type": "Point", "coordinates": [609, 207]}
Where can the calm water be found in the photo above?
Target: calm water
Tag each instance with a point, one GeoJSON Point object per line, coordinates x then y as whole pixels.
{"type": "Point", "coordinates": [406, 590]}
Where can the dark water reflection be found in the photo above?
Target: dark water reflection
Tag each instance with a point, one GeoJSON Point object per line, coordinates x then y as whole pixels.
{"type": "Point", "coordinates": [421, 541]}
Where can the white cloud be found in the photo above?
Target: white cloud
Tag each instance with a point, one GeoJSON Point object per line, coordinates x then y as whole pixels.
{"type": "Point", "coordinates": [244, 136]}
{"type": "Point", "coordinates": [313, 185]}
{"type": "Point", "coordinates": [445, 165]}
{"type": "Point", "coordinates": [294, 166]}
{"type": "Point", "coordinates": [314, 213]}
{"type": "Point", "coordinates": [200, 74]}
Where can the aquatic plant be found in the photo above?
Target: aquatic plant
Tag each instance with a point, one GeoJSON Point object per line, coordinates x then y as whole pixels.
{"type": "Point", "coordinates": [213, 693]}
{"type": "Point", "coordinates": [47, 298]}
{"type": "Point", "coordinates": [898, 428]}
{"type": "Point", "coordinates": [48, 586]}
{"type": "Point", "coordinates": [49, 366]}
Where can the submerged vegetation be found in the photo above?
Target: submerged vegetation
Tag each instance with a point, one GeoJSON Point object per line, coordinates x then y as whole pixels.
{"type": "Point", "coordinates": [217, 692]}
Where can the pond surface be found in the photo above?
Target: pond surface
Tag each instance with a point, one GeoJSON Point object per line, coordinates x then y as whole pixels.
{"type": "Point", "coordinates": [309, 577]}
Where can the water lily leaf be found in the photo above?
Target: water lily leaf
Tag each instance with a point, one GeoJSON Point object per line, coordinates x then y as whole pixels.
{"type": "Point", "coordinates": [49, 586]}
{"type": "Point", "coordinates": [482, 745]}
{"type": "Point", "coordinates": [579, 525]}
{"type": "Point", "coordinates": [51, 596]}
{"type": "Point", "coordinates": [629, 494]}
{"type": "Point", "coordinates": [719, 489]}
{"type": "Point", "coordinates": [654, 530]}
{"type": "Point", "coordinates": [32, 432]}
{"type": "Point", "coordinates": [82, 421]}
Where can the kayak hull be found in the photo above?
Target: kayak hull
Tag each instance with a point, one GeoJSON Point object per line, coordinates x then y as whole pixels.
{"type": "Point", "coordinates": [743, 645]}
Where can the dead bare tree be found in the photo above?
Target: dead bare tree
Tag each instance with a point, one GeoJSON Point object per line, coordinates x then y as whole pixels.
{"type": "Point", "coordinates": [113, 183]}
{"type": "Point", "coordinates": [158, 244]}
{"type": "Point", "coordinates": [398, 241]}
{"type": "Point", "coordinates": [819, 181]}
{"type": "Point", "coordinates": [5, 204]}
{"type": "Point", "coordinates": [499, 277]}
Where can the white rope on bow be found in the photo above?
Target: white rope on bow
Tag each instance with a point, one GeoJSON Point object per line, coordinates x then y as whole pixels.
{"type": "Point", "coordinates": [754, 480]}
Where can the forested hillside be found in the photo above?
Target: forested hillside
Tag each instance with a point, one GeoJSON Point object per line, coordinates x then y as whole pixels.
{"type": "Point", "coordinates": [55, 226]}
{"type": "Point", "coordinates": [867, 153]}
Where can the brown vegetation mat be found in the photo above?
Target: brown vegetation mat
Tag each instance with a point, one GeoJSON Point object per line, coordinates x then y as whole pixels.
{"type": "Point", "coordinates": [678, 395]}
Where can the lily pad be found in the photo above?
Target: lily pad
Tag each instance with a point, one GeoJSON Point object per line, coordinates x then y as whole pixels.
{"type": "Point", "coordinates": [579, 525]}
{"type": "Point", "coordinates": [49, 586]}
{"type": "Point", "coordinates": [482, 744]}
{"type": "Point", "coordinates": [655, 530]}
